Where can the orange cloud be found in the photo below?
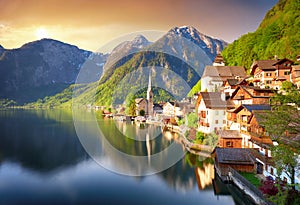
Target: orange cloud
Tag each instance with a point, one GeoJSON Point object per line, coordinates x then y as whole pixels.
{"type": "Point", "coordinates": [84, 22]}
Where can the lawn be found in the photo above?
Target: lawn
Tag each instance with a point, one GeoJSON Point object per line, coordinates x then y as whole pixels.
{"type": "Point", "coordinates": [251, 178]}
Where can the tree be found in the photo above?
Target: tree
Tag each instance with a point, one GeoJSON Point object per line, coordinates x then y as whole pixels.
{"type": "Point", "coordinates": [195, 89]}
{"type": "Point", "coordinates": [142, 113]}
{"type": "Point", "coordinates": [283, 124]}
{"type": "Point", "coordinates": [285, 161]}
{"type": "Point", "coordinates": [130, 105]}
{"type": "Point", "coordinates": [211, 140]}
{"type": "Point", "coordinates": [284, 117]}
{"type": "Point", "coordinates": [192, 120]}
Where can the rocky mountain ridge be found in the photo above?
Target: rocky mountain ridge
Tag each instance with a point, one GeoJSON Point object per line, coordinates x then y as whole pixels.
{"type": "Point", "coordinates": [46, 67]}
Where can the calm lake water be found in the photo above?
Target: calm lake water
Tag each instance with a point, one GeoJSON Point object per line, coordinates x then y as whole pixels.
{"type": "Point", "coordinates": [44, 162]}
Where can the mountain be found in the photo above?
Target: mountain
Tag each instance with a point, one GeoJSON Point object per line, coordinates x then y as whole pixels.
{"type": "Point", "coordinates": [211, 46]}
{"type": "Point", "coordinates": [126, 49]}
{"type": "Point", "coordinates": [277, 35]}
{"type": "Point", "coordinates": [47, 69]}
{"type": "Point", "coordinates": [38, 69]}
{"type": "Point", "coordinates": [176, 61]}
{"type": "Point", "coordinates": [189, 45]}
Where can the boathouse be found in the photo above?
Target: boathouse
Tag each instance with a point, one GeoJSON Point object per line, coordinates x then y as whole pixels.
{"type": "Point", "coordinates": [239, 159]}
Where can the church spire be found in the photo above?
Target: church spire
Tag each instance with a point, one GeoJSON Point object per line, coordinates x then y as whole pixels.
{"type": "Point", "coordinates": [149, 91]}
{"type": "Point", "coordinates": [150, 97]}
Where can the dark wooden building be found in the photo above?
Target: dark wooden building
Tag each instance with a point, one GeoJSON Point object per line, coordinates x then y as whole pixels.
{"type": "Point", "coordinates": [239, 159]}
{"type": "Point", "coordinates": [230, 139]}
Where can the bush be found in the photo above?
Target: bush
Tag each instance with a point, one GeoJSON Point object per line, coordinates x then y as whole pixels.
{"type": "Point", "coordinates": [142, 112]}
{"type": "Point", "coordinates": [199, 138]}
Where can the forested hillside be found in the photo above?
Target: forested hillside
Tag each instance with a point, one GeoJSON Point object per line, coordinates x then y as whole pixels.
{"type": "Point", "coordinates": [277, 35]}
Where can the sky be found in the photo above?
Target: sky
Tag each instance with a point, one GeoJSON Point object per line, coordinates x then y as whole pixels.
{"type": "Point", "coordinates": [90, 24]}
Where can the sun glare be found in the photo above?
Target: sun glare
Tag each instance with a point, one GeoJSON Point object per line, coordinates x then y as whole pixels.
{"type": "Point", "coordinates": [41, 33]}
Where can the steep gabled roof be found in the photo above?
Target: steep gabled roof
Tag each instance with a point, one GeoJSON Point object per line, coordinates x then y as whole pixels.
{"type": "Point", "coordinates": [263, 65]}
{"type": "Point", "coordinates": [252, 107]}
{"type": "Point", "coordinates": [250, 90]}
{"type": "Point", "coordinates": [224, 71]}
{"type": "Point", "coordinates": [213, 100]}
{"type": "Point", "coordinates": [257, 107]}
{"type": "Point", "coordinates": [229, 134]}
{"type": "Point", "coordinates": [282, 61]}
{"type": "Point", "coordinates": [235, 156]}
{"type": "Point", "coordinates": [232, 81]}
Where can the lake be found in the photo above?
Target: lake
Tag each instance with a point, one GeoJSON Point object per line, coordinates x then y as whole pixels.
{"type": "Point", "coordinates": [43, 161]}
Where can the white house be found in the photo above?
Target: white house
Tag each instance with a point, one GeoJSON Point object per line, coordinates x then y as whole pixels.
{"type": "Point", "coordinates": [212, 111]}
{"type": "Point", "coordinates": [215, 77]}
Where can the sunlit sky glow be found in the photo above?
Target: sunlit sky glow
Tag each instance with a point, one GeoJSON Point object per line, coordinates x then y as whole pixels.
{"type": "Point", "coordinates": [89, 24]}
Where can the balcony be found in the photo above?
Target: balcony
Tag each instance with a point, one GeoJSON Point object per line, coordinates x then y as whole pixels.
{"type": "Point", "coordinates": [231, 118]}
{"type": "Point", "coordinates": [261, 138]}
{"type": "Point", "coordinates": [204, 124]}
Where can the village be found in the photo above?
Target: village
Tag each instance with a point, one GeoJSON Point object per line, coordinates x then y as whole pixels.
{"type": "Point", "coordinates": [231, 105]}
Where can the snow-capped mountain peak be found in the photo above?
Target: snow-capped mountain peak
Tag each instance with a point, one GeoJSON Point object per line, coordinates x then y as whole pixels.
{"type": "Point", "coordinates": [212, 45]}
{"type": "Point", "coordinates": [140, 40]}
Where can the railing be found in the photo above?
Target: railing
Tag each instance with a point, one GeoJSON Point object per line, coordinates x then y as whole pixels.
{"type": "Point", "coordinates": [253, 188]}
{"type": "Point", "coordinates": [261, 199]}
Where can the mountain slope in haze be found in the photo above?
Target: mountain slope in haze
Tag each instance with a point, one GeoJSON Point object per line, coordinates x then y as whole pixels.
{"type": "Point", "coordinates": [124, 49]}
{"type": "Point", "coordinates": [277, 35]}
{"type": "Point", "coordinates": [38, 69]}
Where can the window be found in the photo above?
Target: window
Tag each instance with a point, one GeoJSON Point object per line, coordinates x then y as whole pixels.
{"type": "Point", "coordinates": [216, 121]}
{"type": "Point", "coordinates": [268, 74]}
{"type": "Point", "coordinates": [268, 82]}
{"type": "Point", "coordinates": [272, 171]}
{"type": "Point", "coordinates": [287, 72]}
{"type": "Point", "coordinates": [229, 144]}
{"type": "Point", "coordinates": [224, 122]}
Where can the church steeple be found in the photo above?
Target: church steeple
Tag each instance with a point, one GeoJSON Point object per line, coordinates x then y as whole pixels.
{"type": "Point", "coordinates": [149, 91]}
{"type": "Point", "coordinates": [150, 96]}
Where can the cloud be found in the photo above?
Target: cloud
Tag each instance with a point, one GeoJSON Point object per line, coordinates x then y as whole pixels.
{"type": "Point", "coordinates": [107, 19]}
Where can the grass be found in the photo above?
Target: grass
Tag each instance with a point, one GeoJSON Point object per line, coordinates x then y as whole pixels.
{"type": "Point", "coordinates": [251, 177]}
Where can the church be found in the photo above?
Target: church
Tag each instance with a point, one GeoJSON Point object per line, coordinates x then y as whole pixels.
{"type": "Point", "coordinates": [146, 104]}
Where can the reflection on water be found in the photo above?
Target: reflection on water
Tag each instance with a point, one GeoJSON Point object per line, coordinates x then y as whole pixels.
{"type": "Point", "coordinates": [124, 148]}
{"type": "Point", "coordinates": [43, 162]}
{"type": "Point", "coordinates": [205, 175]}
{"type": "Point", "coordinates": [39, 140]}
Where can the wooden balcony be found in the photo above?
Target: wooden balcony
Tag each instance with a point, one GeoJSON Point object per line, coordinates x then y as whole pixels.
{"type": "Point", "coordinates": [232, 118]}
{"type": "Point", "coordinates": [261, 138]}
{"type": "Point", "coordinates": [205, 124]}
